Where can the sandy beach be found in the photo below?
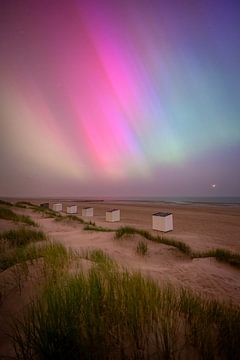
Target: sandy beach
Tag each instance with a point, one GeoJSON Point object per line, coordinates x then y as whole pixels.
{"type": "Point", "coordinates": [202, 227]}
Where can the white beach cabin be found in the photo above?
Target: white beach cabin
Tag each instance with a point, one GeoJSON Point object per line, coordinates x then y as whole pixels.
{"type": "Point", "coordinates": [113, 215]}
{"type": "Point", "coordinates": [72, 209]}
{"type": "Point", "coordinates": [57, 207]}
{"type": "Point", "coordinates": [162, 221]}
{"type": "Point", "coordinates": [87, 211]}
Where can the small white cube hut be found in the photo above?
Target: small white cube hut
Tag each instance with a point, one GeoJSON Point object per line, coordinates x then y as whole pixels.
{"type": "Point", "coordinates": [72, 209]}
{"type": "Point", "coordinates": [113, 215]}
{"type": "Point", "coordinates": [57, 207]}
{"type": "Point", "coordinates": [87, 211]}
{"type": "Point", "coordinates": [162, 221]}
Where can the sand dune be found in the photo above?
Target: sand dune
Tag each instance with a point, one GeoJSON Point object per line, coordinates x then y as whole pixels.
{"type": "Point", "coordinates": [202, 227]}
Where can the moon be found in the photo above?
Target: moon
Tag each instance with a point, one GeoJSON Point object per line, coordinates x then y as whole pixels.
{"type": "Point", "coordinates": [213, 185]}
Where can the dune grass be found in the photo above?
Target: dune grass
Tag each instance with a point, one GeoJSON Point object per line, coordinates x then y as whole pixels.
{"type": "Point", "coordinates": [74, 218]}
{"type": "Point", "coordinates": [9, 214]}
{"type": "Point", "coordinates": [100, 258]}
{"type": "Point", "coordinates": [110, 313]}
{"type": "Point", "coordinates": [22, 236]}
{"type": "Point", "coordinates": [91, 227]}
{"type": "Point", "coordinates": [127, 230]}
{"type": "Point", "coordinates": [13, 246]}
{"type": "Point", "coordinates": [142, 248]}
{"type": "Point", "coordinates": [26, 220]}
{"type": "Point", "coordinates": [5, 203]}
{"type": "Point", "coordinates": [18, 255]}
{"type": "Point", "coordinates": [223, 255]}
{"type": "Point", "coordinates": [219, 254]}
{"type": "Point", "coordinates": [47, 212]}
{"type": "Point", "coordinates": [21, 206]}
{"type": "Point", "coordinates": [25, 203]}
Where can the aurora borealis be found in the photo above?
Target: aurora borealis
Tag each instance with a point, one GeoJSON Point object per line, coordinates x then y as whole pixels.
{"type": "Point", "coordinates": [121, 97]}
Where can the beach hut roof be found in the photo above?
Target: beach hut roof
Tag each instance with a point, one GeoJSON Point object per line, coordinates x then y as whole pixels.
{"type": "Point", "coordinates": [162, 214]}
{"type": "Point", "coordinates": [111, 210]}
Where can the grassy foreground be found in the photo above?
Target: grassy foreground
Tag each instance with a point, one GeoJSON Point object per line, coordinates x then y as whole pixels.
{"type": "Point", "coordinates": [110, 313]}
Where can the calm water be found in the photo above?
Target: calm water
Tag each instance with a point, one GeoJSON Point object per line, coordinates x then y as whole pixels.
{"type": "Point", "coordinates": [188, 200]}
{"type": "Point", "coordinates": [227, 200]}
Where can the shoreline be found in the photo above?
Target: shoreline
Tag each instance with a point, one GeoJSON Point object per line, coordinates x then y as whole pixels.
{"type": "Point", "coordinates": [127, 201]}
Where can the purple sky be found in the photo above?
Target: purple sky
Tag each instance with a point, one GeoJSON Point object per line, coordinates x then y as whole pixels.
{"type": "Point", "coordinates": [119, 98]}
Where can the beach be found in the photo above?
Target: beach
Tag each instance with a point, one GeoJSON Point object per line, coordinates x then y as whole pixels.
{"type": "Point", "coordinates": [202, 227]}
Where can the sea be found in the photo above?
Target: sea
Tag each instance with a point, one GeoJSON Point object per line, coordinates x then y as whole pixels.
{"type": "Point", "coordinates": [221, 200]}
{"type": "Point", "coordinates": [185, 200]}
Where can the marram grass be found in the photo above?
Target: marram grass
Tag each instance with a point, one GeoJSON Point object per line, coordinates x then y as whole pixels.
{"type": "Point", "coordinates": [22, 236]}
{"type": "Point", "coordinates": [111, 313]}
{"type": "Point", "coordinates": [70, 218]}
{"type": "Point", "coordinates": [222, 255]}
{"type": "Point", "coordinates": [5, 203]}
{"type": "Point", "coordinates": [14, 246]}
{"type": "Point", "coordinates": [9, 214]}
{"type": "Point", "coordinates": [127, 230]}
{"type": "Point", "coordinates": [142, 248]}
{"type": "Point", "coordinates": [93, 227]}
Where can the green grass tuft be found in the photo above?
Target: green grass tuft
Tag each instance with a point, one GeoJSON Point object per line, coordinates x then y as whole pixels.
{"type": "Point", "coordinates": [142, 248]}
{"type": "Point", "coordinates": [46, 211]}
{"type": "Point", "coordinates": [223, 255]}
{"type": "Point", "coordinates": [27, 203]}
{"type": "Point", "coordinates": [18, 255]}
{"type": "Point", "coordinates": [70, 218]}
{"type": "Point", "coordinates": [21, 206]}
{"type": "Point", "coordinates": [9, 214]}
{"type": "Point", "coordinates": [14, 246]}
{"type": "Point", "coordinates": [22, 236]}
{"type": "Point", "coordinates": [26, 220]}
{"type": "Point", "coordinates": [127, 230]}
{"type": "Point", "coordinates": [91, 227]}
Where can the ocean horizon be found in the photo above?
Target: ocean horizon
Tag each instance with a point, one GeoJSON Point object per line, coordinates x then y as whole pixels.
{"type": "Point", "coordinates": [220, 200]}
{"type": "Point", "coordinates": [224, 200]}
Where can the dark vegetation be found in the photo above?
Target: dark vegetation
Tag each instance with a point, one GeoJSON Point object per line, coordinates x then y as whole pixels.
{"type": "Point", "coordinates": [9, 214]}
{"type": "Point", "coordinates": [5, 203]}
{"type": "Point", "coordinates": [142, 248]}
{"type": "Point", "coordinates": [14, 247]}
{"type": "Point", "coordinates": [92, 227]}
{"type": "Point", "coordinates": [46, 212]}
{"type": "Point", "coordinates": [74, 218]}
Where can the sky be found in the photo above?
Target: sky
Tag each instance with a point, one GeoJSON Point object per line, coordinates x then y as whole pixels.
{"type": "Point", "coordinates": [119, 98]}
